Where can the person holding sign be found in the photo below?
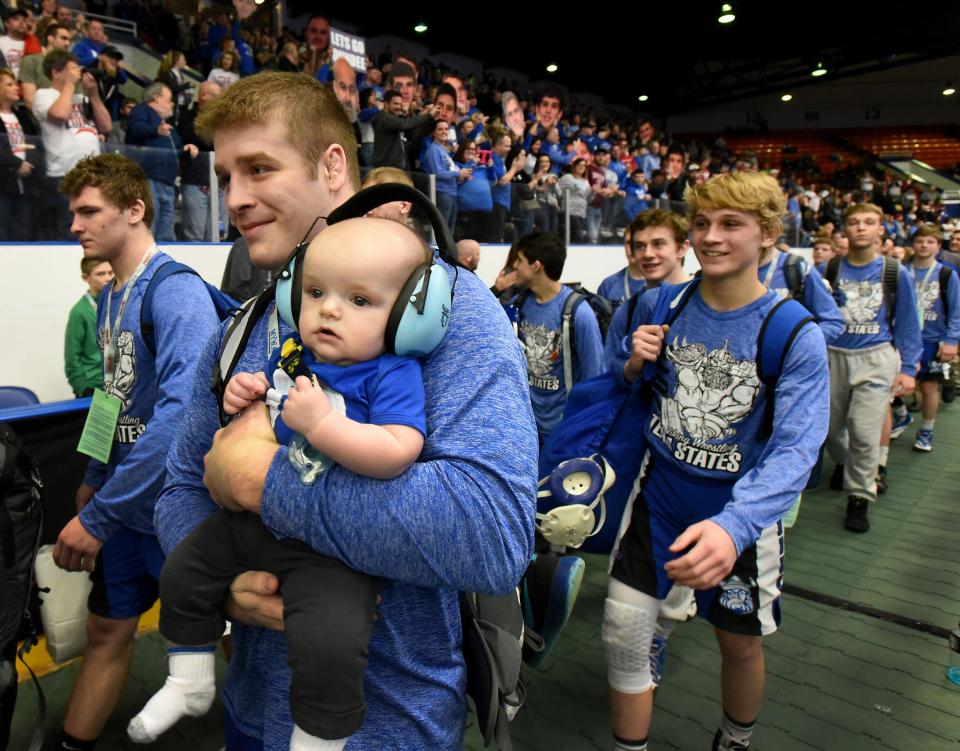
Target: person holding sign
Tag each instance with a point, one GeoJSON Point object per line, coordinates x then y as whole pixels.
{"type": "Point", "coordinates": [112, 534]}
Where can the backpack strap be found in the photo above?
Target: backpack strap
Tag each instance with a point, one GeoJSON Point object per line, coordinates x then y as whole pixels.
{"type": "Point", "coordinates": [147, 328]}
{"type": "Point", "coordinates": [832, 272]}
{"type": "Point", "coordinates": [235, 341]}
{"type": "Point", "coordinates": [945, 273]}
{"type": "Point", "coordinates": [570, 306]}
{"type": "Point", "coordinates": [777, 333]}
{"type": "Point", "coordinates": [793, 274]}
{"type": "Point", "coordinates": [891, 278]}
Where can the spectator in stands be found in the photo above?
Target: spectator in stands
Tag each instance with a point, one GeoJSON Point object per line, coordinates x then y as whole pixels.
{"type": "Point", "coordinates": [389, 126]}
{"type": "Point", "coordinates": [513, 115]}
{"type": "Point", "coordinates": [149, 128]}
{"type": "Point", "coordinates": [64, 17]}
{"type": "Point", "coordinates": [71, 124]}
{"type": "Point", "coordinates": [87, 48]}
{"type": "Point", "coordinates": [195, 174]}
{"type": "Point", "coordinates": [289, 59]}
{"type": "Point", "coordinates": [548, 109]}
{"type": "Point", "coordinates": [951, 254]}
{"type": "Point", "coordinates": [461, 97]}
{"type": "Point", "coordinates": [403, 78]}
{"type": "Point", "coordinates": [318, 53]}
{"type": "Point", "coordinates": [12, 43]}
{"type": "Point", "coordinates": [345, 87]}
{"type": "Point", "coordinates": [226, 71]}
{"type": "Point", "coordinates": [544, 184]}
{"type": "Point", "coordinates": [172, 65]}
{"type": "Point", "coordinates": [21, 164]}
{"type": "Point", "coordinates": [576, 191]}
{"type": "Point", "coordinates": [439, 163]}
{"type": "Point", "coordinates": [110, 77]}
{"type": "Point", "coordinates": [638, 196]}
{"type": "Point", "coordinates": [502, 177]}
{"type": "Point", "coordinates": [81, 350]}
{"type": "Point", "coordinates": [31, 69]}
{"type": "Point", "coordinates": [118, 133]}
{"type": "Point", "coordinates": [468, 252]}
{"type": "Point", "coordinates": [675, 173]}
{"type": "Point", "coordinates": [370, 107]}
{"type": "Point", "coordinates": [241, 279]}
{"type": "Point", "coordinates": [397, 211]}
{"type": "Point", "coordinates": [48, 9]}
{"type": "Point", "coordinates": [474, 195]}
{"type": "Point", "coordinates": [599, 194]}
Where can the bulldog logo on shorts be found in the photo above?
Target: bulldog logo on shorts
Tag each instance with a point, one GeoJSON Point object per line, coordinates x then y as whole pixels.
{"type": "Point", "coordinates": [736, 596]}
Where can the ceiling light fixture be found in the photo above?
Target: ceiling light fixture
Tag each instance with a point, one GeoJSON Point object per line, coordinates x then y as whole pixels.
{"type": "Point", "coordinates": [420, 28]}
{"type": "Point", "coordinates": [818, 71]}
{"type": "Point", "coordinates": [949, 91]}
{"type": "Point", "coordinates": [643, 97]}
{"type": "Point", "coordinates": [552, 68]}
{"type": "Point", "coordinates": [726, 14]}
{"type": "Point", "coordinates": [786, 97]}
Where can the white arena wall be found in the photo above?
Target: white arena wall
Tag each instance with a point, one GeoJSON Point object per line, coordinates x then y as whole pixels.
{"type": "Point", "coordinates": [41, 282]}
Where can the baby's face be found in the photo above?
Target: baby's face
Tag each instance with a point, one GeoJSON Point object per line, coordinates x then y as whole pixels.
{"type": "Point", "coordinates": [352, 275]}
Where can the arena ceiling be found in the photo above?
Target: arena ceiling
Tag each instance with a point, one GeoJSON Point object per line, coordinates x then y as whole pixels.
{"type": "Point", "coordinates": [676, 53]}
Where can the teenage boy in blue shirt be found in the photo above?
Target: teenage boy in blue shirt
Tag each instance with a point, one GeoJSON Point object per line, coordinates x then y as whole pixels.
{"type": "Point", "coordinates": [939, 324]}
{"type": "Point", "coordinates": [870, 362]}
{"type": "Point", "coordinates": [539, 264]}
{"type": "Point", "coordinates": [113, 534]}
{"type": "Point", "coordinates": [713, 491]}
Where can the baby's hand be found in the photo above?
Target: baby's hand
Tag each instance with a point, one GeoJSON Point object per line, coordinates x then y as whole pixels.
{"type": "Point", "coordinates": [243, 390]}
{"type": "Point", "coordinates": [305, 407]}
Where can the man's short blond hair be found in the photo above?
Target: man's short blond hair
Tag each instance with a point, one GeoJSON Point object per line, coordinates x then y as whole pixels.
{"type": "Point", "coordinates": [676, 223]}
{"type": "Point", "coordinates": [751, 192]}
{"type": "Point", "coordinates": [308, 110]}
{"type": "Point", "coordinates": [383, 175]}
{"type": "Point", "coordinates": [862, 208]}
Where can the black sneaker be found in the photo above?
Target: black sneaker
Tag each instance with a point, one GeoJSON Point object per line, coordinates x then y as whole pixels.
{"type": "Point", "coordinates": [836, 479]}
{"type": "Point", "coordinates": [881, 480]}
{"type": "Point", "coordinates": [856, 520]}
{"type": "Point", "coordinates": [949, 392]}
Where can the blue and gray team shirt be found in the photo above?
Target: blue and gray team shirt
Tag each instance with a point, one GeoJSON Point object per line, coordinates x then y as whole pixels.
{"type": "Point", "coordinates": [859, 295]}
{"type": "Point", "coordinates": [708, 408]}
{"type": "Point", "coordinates": [154, 394]}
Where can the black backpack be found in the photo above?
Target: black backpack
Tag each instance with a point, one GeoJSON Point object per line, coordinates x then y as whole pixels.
{"type": "Point", "coordinates": [601, 306]}
{"type": "Point", "coordinates": [21, 525]}
{"type": "Point", "coordinates": [21, 521]}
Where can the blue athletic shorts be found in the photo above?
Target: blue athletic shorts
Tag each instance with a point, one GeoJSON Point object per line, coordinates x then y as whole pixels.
{"type": "Point", "coordinates": [929, 355]}
{"type": "Point", "coordinates": [126, 580]}
{"type": "Point", "coordinates": [748, 600]}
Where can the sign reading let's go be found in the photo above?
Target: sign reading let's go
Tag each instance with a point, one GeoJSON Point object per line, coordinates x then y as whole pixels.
{"type": "Point", "coordinates": [350, 47]}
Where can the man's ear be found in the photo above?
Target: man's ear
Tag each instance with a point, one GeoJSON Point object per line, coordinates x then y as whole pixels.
{"type": "Point", "coordinates": [406, 207]}
{"type": "Point", "coordinates": [333, 168]}
{"type": "Point", "coordinates": [136, 211]}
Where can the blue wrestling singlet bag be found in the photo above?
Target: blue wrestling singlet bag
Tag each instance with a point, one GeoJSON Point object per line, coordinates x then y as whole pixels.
{"type": "Point", "coordinates": [590, 461]}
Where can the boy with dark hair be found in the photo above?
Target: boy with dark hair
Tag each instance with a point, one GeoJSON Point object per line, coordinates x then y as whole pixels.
{"type": "Point", "coordinates": [881, 338]}
{"type": "Point", "coordinates": [81, 352]}
{"type": "Point", "coordinates": [562, 346]}
{"type": "Point", "coordinates": [718, 476]}
{"type": "Point", "coordinates": [938, 303]}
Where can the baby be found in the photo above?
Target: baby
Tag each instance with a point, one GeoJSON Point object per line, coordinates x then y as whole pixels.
{"type": "Point", "coordinates": [335, 397]}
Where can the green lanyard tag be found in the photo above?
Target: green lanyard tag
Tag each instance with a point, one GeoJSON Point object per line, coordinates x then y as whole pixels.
{"type": "Point", "coordinates": [100, 427]}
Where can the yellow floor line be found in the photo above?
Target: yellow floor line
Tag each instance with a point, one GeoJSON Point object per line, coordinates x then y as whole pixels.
{"type": "Point", "coordinates": [42, 663]}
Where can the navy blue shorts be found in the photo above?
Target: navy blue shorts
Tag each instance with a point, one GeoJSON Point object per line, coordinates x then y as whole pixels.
{"type": "Point", "coordinates": [929, 355]}
{"type": "Point", "coordinates": [126, 579]}
{"type": "Point", "coordinates": [748, 600]}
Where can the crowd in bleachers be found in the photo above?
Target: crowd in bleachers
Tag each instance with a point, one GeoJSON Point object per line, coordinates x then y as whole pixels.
{"type": "Point", "coordinates": [507, 161]}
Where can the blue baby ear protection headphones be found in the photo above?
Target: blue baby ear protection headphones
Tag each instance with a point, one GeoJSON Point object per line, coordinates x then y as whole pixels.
{"type": "Point", "coordinates": [421, 312]}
